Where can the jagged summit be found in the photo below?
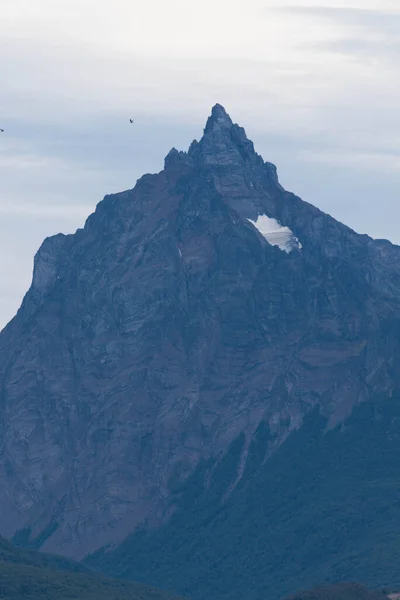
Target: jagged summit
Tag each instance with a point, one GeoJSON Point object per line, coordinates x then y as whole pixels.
{"type": "Point", "coordinates": [225, 151]}
{"type": "Point", "coordinates": [219, 120]}
{"type": "Point", "coordinates": [222, 142]}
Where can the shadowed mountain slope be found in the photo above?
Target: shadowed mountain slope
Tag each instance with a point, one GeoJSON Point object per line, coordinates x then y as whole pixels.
{"type": "Point", "coordinates": [28, 575]}
{"type": "Point", "coordinates": [325, 507]}
{"type": "Point", "coordinates": [342, 591]}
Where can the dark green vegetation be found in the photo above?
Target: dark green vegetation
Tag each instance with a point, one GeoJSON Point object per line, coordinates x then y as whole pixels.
{"type": "Point", "coordinates": [27, 575]}
{"type": "Point", "coordinates": [340, 591]}
{"type": "Point", "coordinates": [324, 508]}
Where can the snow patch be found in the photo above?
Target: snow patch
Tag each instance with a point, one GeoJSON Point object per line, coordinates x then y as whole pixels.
{"type": "Point", "coordinates": [276, 234]}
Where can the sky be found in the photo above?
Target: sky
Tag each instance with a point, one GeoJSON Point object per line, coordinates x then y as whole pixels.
{"type": "Point", "coordinates": [314, 83]}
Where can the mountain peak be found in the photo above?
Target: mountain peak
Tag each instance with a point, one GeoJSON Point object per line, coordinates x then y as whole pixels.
{"type": "Point", "coordinates": [228, 155]}
{"type": "Point", "coordinates": [218, 120]}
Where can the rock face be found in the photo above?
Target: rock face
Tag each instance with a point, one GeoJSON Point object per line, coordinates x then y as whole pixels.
{"type": "Point", "coordinates": [186, 312]}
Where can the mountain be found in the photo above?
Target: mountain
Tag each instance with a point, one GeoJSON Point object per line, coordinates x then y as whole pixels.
{"type": "Point", "coordinates": [343, 591]}
{"type": "Point", "coordinates": [28, 575]}
{"type": "Point", "coordinates": [181, 368]}
{"type": "Point", "coordinates": [325, 507]}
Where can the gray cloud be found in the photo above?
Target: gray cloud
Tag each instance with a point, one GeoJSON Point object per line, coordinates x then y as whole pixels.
{"type": "Point", "coordinates": [366, 34]}
{"type": "Point", "coordinates": [363, 49]}
{"type": "Point", "coordinates": [377, 20]}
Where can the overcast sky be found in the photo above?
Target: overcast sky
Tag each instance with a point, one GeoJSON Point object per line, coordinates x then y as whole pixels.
{"type": "Point", "coordinates": [315, 84]}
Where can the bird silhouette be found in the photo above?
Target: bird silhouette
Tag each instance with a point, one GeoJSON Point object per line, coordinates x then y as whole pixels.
{"type": "Point", "coordinates": [1, 130]}
{"type": "Point", "coordinates": [131, 120]}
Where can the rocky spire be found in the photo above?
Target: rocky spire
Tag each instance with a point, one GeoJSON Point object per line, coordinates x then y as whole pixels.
{"type": "Point", "coordinates": [219, 120]}
{"type": "Point", "coordinates": [225, 145]}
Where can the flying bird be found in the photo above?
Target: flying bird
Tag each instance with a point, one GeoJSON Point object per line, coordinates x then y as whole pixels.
{"type": "Point", "coordinates": [1, 130]}
{"type": "Point", "coordinates": [131, 120]}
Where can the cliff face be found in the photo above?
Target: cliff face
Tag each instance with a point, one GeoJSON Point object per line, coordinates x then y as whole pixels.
{"type": "Point", "coordinates": [187, 311]}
